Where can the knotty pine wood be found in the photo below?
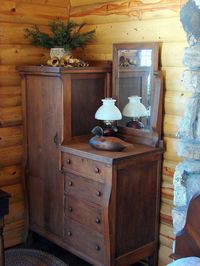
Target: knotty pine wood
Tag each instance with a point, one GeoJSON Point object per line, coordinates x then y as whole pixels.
{"type": "Point", "coordinates": [15, 16]}
{"type": "Point", "coordinates": [31, 12]}
{"type": "Point", "coordinates": [10, 175]}
{"type": "Point", "coordinates": [10, 136]}
{"type": "Point", "coordinates": [124, 10]}
{"type": "Point", "coordinates": [10, 96]}
{"type": "Point", "coordinates": [143, 21]}
{"type": "Point", "coordinates": [23, 54]}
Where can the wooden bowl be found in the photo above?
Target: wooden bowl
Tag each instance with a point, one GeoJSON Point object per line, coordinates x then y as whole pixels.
{"type": "Point", "coordinates": [108, 143]}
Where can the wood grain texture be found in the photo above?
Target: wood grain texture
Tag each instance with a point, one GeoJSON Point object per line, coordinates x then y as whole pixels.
{"type": "Point", "coordinates": [131, 21]}
{"type": "Point", "coordinates": [10, 175]}
{"type": "Point", "coordinates": [30, 13]}
{"type": "Point", "coordinates": [10, 96]}
{"type": "Point", "coordinates": [10, 136]}
{"type": "Point", "coordinates": [23, 55]}
{"type": "Point", "coordinates": [122, 10]}
{"type": "Point", "coordinates": [15, 16]}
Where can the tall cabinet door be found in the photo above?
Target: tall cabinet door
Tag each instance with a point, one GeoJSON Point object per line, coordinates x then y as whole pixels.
{"type": "Point", "coordinates": [44, 133]}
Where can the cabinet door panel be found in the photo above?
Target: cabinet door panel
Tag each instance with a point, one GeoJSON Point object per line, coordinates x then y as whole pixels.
{"type": "Point", "coordinates": [44, 132]}
{"type": "Point", "coordinates": [136, 206]}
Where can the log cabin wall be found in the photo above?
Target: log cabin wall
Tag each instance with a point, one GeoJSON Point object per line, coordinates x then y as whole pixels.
{"type": "Point", "coordinates": [15, 15]}
{"type": "Point", "coordinates": [145, 21]}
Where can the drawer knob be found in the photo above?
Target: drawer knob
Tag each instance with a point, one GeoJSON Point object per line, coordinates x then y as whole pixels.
{"type": "Point", "coordinates": [70, 209]}
{"type": "Point", "coordinates": [98, 193]}
{"type": "Point", "coordinates": [68, 161]}
{"type": "Point", "coordinates": [98, 221]}
{"type": "Point", "coordinates": [70, 183]}
{"type": "Point", "coordinates": [96, 169]}
{"type": "Point", "coordinates": [97, 247]}
{"type": "Point", "coordinates": [69, 233]}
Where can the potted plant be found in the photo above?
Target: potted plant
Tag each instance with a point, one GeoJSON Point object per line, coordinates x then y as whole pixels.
{"type": "Point", "coordinates": [63, 37]}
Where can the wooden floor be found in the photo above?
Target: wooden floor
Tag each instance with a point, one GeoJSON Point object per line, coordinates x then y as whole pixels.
{"type": "Point", "coordinates": [70, 259]}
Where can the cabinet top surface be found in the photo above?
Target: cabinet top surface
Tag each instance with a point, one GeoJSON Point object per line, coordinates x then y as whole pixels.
{"type": "Point", "coordinates": [61, 70]}
{"type": "Point", "coordinates": [84, 149]}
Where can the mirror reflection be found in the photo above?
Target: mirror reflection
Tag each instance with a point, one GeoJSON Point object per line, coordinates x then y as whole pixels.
{"type": "Point", "coordinates": [133, 86]}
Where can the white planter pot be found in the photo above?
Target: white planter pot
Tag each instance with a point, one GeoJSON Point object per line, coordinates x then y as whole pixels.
{"type": "Point", "coordinates": [57, 52]}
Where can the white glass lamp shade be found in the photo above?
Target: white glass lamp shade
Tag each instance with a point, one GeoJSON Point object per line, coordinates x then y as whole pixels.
{"type": "Point", "coordinates": [108, 111]}
{"type": "Point", "coordinates": [135, 108]}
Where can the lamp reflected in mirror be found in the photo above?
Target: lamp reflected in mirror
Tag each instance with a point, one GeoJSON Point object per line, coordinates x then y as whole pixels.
{"type": "Point", "coordinates": [135, 110]}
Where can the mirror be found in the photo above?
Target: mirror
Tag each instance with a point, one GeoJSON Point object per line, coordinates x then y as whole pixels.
{"type": "Point", "coordinates": [134, 68]}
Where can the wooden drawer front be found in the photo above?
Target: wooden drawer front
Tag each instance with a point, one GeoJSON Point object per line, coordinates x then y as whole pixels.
{"type": "Point", "coordinates": [84, 188]}
{"type": "Point", "coordinates": [86, 241]}
{"type": "Point", "coordinates": [84, 213]}
{"type": "Point", "coordinates": [84, 167]}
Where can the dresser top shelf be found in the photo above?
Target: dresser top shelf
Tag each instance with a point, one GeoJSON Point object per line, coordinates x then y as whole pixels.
{"type": "Point", "coordinates": [82, 148]}
{"type": "Point", "coordinates": [61, 70]}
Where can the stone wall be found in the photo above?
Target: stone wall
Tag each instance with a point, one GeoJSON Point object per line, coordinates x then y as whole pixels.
{"type": "Point", "coordinates": [187, 173]}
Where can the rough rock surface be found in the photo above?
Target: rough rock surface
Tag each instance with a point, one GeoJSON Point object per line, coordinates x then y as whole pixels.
{"type": "Point", "coordinates": [187, 173]}
{"type": "Point", "coordinates": [191, 80]}
{"type": "Point", "coordinates": [191, 57]}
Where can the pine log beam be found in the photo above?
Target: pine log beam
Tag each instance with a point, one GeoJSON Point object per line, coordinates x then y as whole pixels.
{"type": "Point", "coordinates": [129, 8]}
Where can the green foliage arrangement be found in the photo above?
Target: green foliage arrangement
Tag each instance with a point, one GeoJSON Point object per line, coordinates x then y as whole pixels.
{"type": "Point", "coordinates": [68, 36]}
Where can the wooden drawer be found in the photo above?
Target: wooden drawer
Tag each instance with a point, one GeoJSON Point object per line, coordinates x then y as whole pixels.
{"type": "Point", "coordinates": [85, 213]}
{"type": "Point", "coordinates": [84, 188]}
{"type": "Point", "coordinates": [84, 240]}
{"type": "Point", "coordinates": [85, 167]}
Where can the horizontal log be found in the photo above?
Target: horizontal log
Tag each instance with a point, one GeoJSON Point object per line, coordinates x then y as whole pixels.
{"type": "Point", "coordinates": [166, 235]}
{"type": "Point", "coordinates": [14, 238]}
{"type": "Point", "coordinates": [167, 193]}
{"type": "Point", "coordinates": [171, 149]}
{"type": "Point", "coordinates": [23, 12]}
{"type": "Point", "coordinates": [88, 2]}
{"type": "Point", "coordinates": [124, 10]}
{"type": "Point", "coordinates": [173, 78]}
{"type": "Point", "coordinates": [10, 136]}
{"type": "Point", "coordinates": [172, 54]}
{"type": "Point", "coordinates": [15, 191]}
{"type": "Point", "coordinates": [169, 168]}
{"type": "Point", "coordinates": [175, 102]}
{"type": "Point", "coordinates": [10, 156]}
{"type": "Point", "coordinates": [14, 233]}
{"type": "Point", "coordinates": [164, 255]}
{"type": "Point", "coordinates": [19, 224]}
{"type": "Point", "coordinates": [10, 116]}
{"type": "Point", "coordinates": [171, 125]}
{"type": "Point", "coordinates": [9, 76]}
{"type": "Point", "coordinates": [10, 175]}
{"type": "Point", "coordinates": [13, 33]}
{"type": "Point", "coordinates": [140, 31]}
{"type": "Point", "coordinates": [113, 18]}
{"type": "Point", "coordinates": [10, 96]}
{"type": "Point", "coordinates": [16, 212]}
{"type": "Point", "coordinates": [23, 55]}
{"type": "Point", "coordinates": [165, 214]}
{"type": "Point", "coordinates": [53, 3]}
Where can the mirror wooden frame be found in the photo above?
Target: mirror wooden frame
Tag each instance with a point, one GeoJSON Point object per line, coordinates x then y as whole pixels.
{"type": "Point", "coordinates": [150, 137]}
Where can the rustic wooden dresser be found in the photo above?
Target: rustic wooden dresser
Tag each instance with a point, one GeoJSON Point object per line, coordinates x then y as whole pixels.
{"type": "Point", "coordinates": [111, 209]}
{"type": "Point", "coordinates": [101, 206]}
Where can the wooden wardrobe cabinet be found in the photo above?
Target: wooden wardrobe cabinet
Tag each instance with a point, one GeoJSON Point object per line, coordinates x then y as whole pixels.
{"type": "Point", "coordinates": [58, 105]}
